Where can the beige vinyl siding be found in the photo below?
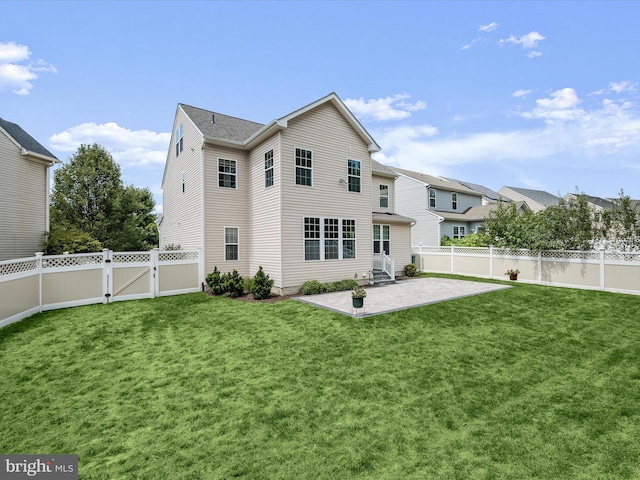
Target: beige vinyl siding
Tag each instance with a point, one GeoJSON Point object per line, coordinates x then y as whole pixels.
{"type": "Point", "coordinates": [182, 212]}
{"type": "Point", "coordinates": [400, 245]}
{"type": "Point", "coordinates": [324, 131]}
{"type": "Point", "coordinates": [375, 193]}
{"type": "Point", "coordinates": [226, 207]}
{"type": "Point", "coordinates": [265, 247]}
{"type": "Point", "coordinates": [23, 196]}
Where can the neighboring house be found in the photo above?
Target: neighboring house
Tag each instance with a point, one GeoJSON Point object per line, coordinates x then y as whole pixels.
{"type": "Point", "coordinates": [440, 207]}
{"type": "Point", "coordinates": [296, 196]}
{"type": "Point", "coordinates": [24, 192]}
{"type": "Point", "coordinates": [536, 199]}
{"type": "Point", "coordinates": [488, 196]}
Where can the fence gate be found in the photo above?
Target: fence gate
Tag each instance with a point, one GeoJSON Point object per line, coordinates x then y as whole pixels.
{"type": "Point", "coordinates": [131, 275]}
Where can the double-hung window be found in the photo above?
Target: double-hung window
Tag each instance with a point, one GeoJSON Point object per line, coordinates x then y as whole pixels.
{"type": "Point", "coordinates": [454, 201]}
{"type": "Point", "coordinates": [268, 169]}
{"type": "Point", "coordinates": [179, 140]}
{"type": "Point", "coordinates": [231, 243]}
{"type": "Point", "coordinates": [458, 231]}
{"type": "Point", "coordinates": [226, 173]}
{"type": "Point", "coordinates": [348, 239]}
{"type": "Point", "coordinates": [311, 238]}
{"type": "Point", "coordinates": [304, 167]}
{"type": "Point", "coordinates": [384, 196]}
{"type": "Point", "coordinates": [353, 175]}
{"type": "Point", "coordinates": [432, 198]}
{"type": "Point", "coordinates": [329, 238]}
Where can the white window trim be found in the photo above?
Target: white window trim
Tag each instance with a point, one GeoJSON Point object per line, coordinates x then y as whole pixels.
{"type": "Point", "coordinates": [224, 242]}
{"type": "Point", "coordinates": [313, 156]}
{"type": "Point", "coordinates": [453, 235]}
{"type": "Point", "coordinates": [354, 176]}
{"type": "Point", "coordinates": [184, 181]}
{"type": "Point", "coordinates": [454, 195]}
{"type": "Point", "coordinates": [272, 168]}
{"type": "Point", "coordinates": [179, 139]}
{"type": "Point", "coordinates": [381, 239]}
{"type": "Point", "coordinates": [380, 197]}
{"type": "Point", "coordinates": [435, 198]}
{"type": "Point", "coordinates": [234, 174]}
{"type": "Point", "coordinates": [340, 239]}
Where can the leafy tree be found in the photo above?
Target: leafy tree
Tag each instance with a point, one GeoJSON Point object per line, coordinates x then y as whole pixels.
{"type": "Point", "coordinates": [88, 196]}
{"type": "Point", "coordinates": [471, 240]}
{"type": "Point", "coordinates": [69, 240]}
{"type": "Point", "coordinates": [620, 228]}
{"type": "Point", "coordinates": [505, 227]}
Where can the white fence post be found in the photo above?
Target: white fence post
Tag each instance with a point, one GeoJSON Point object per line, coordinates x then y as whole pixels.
{"type": "Point", "coordinates": [602, 266]}
{"type": "Point", "coordinates": [540, 267]}
{"type": "Point", "coordinates": [452, 254]}
{"type": "Point", "coordinates": [39, 267]}
{"type": "Point", "coordinates": [107, 275]}
{"type": "Point", "coordinates": [155, 272]}
{"type": "Point", "coordinates": [490, 261]}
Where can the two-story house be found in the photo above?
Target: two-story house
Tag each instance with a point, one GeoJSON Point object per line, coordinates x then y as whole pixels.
{"type": "Point", "coordinates": [296, 196]}
{"type": "Point", "coordinates": [440, 207]}
{"type": "Point", "coordinates": [24, 192]}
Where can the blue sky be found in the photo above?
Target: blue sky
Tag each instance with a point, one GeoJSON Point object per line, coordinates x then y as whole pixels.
{"type": "Point", "coordinates": [542, 95]}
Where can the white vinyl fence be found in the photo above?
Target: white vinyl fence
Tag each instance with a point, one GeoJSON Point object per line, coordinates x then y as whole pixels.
{"type": "Point", "coordinates": [31, 285]}
{"type": "Point", "coordinates": [597, 270]}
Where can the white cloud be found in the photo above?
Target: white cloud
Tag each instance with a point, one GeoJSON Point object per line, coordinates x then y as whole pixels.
{"type": "Point", "coordinates": [624, 86]}
{"type": "Point", "coordinates": [561, 106]}
{"type": "Point", "coordinates": [528, 42]}
{"type": "Point", "coordinates": [14, 73]}
{"type": "Point", "coordinates": [572, 133]}
{"type": "Point", "coordinates": [488, 28]}
{"type": "Point", "coordinates": [522, 93]}
{"type": "Point", "coordinates": [12, 52]}
{"type": "Point", "coordinates": [128, 147]}
{"type": "Point", "coordinates": [382, 109]}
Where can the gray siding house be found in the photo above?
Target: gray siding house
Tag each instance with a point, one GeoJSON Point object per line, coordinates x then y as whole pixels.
{"type": "Point", "coordinates": [441, 207]}
{"type": "Point", "coordinates": [536, 199]}
{"type": "Point", "coordinates": [299, 196]}
{"type": "Point", "coordinates": [24, 192]}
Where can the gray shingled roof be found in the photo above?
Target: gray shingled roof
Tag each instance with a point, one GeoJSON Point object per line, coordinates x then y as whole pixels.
{"type": "Point", "coordinates": [601, 202]}
{"type": "Point", "coordinates": [380, 168]}
{"type": "Point", "coordinates": [225, 127]}
{"type": "Point", "coordinates": [436, 182]}
{"type": "Point", "coordinates": [487, 192]}
{"type": "Point", "coordinates": [543, 198]}
{"type": "Point", "coordinates": [24, 139]}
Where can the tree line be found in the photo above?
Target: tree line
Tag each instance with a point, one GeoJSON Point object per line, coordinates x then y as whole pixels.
{"type": "Point", "coordinates": [92, 208]}
{"type": "Point", "coordinates": [572, 224]}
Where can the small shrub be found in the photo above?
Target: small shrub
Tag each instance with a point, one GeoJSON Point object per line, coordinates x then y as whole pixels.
{"type": "Point", "coordinates": [232, 284]}
{"type": "Point", "coordinates": [348, 284]}
{"type": "Point", "coordinates": [214, 281]}
{"type": "Point", "coordinates": [262, 284]}
{"type": "Point", "coordinates": [248, 284]}
{"type": "Point", "coordinates": [69, 240]}
{"type": "Point", "coordinates": [172, 246]}
{"type": "Point", "coordinates": [410, 270]}
{"type": "Point", "coordinates": [312, 287]}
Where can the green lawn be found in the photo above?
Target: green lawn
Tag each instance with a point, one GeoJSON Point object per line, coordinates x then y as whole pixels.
{"type": "Point", "coordinates": [528, 382]}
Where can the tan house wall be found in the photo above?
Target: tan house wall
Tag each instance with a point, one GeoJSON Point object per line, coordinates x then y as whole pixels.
{"type": "Point", "coordinates": [411, 201]}
{"type": "Point", "coordinates": [325, 132]}
{"type": "Point", "coordinates": [226, 207]}
{"type": "Point", "coordinates": [24, 200]}
{"type": "Point", "coordinates": [182, 212]}
{"type": "Point", "coordinates": [376, 181]}
{"type": "Point", "coordinates": [265, 216]}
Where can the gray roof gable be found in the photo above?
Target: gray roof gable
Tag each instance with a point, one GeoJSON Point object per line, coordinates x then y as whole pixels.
{"type": "Point", "coordinates": [436, 182]}
{"type": "Point", "coordinates": [542, 197]}
{"type": "Point", "coordinates": [25, 140]}
{"type": "Point", "coordinates": [217, 125]}
{"type": "Point", "coordinates": [487, 192]}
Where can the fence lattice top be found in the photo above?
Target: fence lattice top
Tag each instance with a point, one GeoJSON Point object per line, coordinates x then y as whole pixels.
{"type": "Point", "coordinates": [18, 267]}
